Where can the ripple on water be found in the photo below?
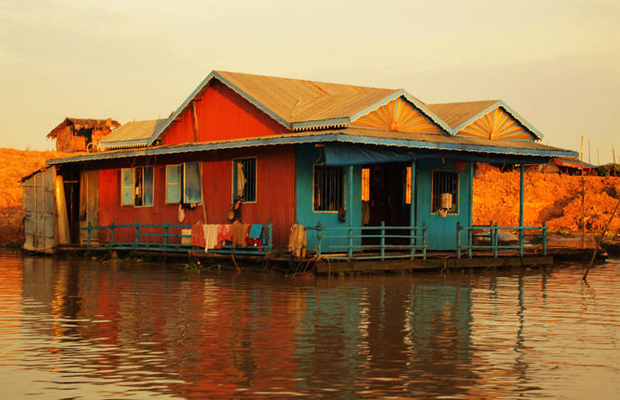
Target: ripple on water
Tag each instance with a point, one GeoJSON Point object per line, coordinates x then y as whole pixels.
{"type": "Point", "coordinates": [87, 329]}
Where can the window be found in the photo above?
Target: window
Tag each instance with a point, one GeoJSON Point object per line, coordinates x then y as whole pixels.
{"type": "Point", "coordinates": [137, 186]}
{"type": "Point", "coordinates": [328, 188]}
{"type": "Point", "coordinates": [173, 183]}
{"type": "Point", "coordinates": [244, 179]}
{"type": "Point", "coordinates": [445, 192]}
{"type": "Point", "coordinates": [183, 183]}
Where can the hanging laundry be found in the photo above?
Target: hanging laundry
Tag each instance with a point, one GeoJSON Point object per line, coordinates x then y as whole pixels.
{"type": "Point", "coordinates": [210, 232]}
{"type": "Point", "coordinates": [241, 181]}
{"type": "Point", "coordinates": [224, 234]}
{"type": "Point", "coordinates": [256, 231]}
{"type": "Point", "coordinates": [198, 235]}
{"type": "Point", "coordinates": [239, 231]}
{"type": "Point", "coordinates": [297, 241]}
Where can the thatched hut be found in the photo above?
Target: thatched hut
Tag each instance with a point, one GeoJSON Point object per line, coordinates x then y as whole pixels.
{"type": "Point", "coordinates": [79, 134]}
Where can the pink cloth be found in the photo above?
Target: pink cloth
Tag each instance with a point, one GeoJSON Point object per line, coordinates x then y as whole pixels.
{"type": "Point", "coordinates": [224, 232]}
{"type": "Point", "coordinates": [198, 236]}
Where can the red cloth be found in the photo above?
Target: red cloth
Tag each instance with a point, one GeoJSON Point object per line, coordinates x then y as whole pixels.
{"type": "Point", "coordinates": [198, 235]}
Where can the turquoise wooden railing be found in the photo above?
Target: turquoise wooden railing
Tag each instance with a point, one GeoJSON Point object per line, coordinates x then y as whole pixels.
{"type": "Point", "coordinates": [166, 232]}
{"type": "Point", "coordinates": [404, 242]}
{"type": "Point", "coordinates": [491, 233]}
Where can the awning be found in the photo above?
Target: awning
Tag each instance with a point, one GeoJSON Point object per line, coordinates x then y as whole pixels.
{"type": "Point", "coordinates": [342, 154]}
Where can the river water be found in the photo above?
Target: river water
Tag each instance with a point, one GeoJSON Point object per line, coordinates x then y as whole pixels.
{"type": "Point", "coordinates": [91, 329]}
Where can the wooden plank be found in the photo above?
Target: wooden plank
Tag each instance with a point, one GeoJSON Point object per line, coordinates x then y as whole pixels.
{"type": "Point", "coordinates": [324, 266]}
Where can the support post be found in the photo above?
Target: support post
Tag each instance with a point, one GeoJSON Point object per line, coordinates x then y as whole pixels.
{"type": "Point", "coordinates": [137, 233]}
{"type": "Point", "coordinates": [111, 232]}
{"type": "Point", "coordinates": [521, 202]}
{"type": "Point", "coordinates": [318, 239]}
{"type": "Point", "coordinates": [350, 208]}
{"type": "Point", "coordinates": [166, 234]}
{"type": "Point", "coordinates": [494, 238]}
{"type": "Point", "coordinates": [88, 234]}
{"type": "Point", "coordinates": [270, 240]}
{"type": "Point", "coordinates": [544, 238]}
{"type": "Point", "coordinates": [412, 222]}
{"type": "Point", "coordinates": [458, 239]}
{"type": "Point", "coordinates": [382, 240]}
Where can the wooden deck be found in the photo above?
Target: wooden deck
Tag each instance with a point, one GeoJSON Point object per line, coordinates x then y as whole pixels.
{"type": "Point", "coordinates": [331, 264]}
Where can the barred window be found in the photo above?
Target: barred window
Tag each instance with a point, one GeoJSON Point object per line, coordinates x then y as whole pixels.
{"type": "Point", "coordinates": [446, 185]}
{"type": "Point", "coordinates": [328, 188]}
{"type": "Point", "coordinates": [244, 179]}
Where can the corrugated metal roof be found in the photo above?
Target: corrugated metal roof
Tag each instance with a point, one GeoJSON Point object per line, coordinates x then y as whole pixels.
{"type": "Point", "coordinates": [572, 163]}
{"type": "Point", "coordinates": [299, 104]}
{"type": "Point", "coordinates": [425, 142]}
{"type": "Point", "coordinates": [460, 115]}
{"type": "Point", "coordinates": [454, 114]}
{"type": "Point", "coordinates": [299, 100]}
{"type": "Point", "coordinates": [132, 134]}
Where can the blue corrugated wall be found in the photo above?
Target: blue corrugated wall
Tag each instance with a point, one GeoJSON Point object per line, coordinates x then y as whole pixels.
{"type": "Point", "coordinates": [307, 156]}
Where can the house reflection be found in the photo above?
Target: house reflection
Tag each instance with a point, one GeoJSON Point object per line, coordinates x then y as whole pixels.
{"type": "Point", "coordinates": [214, 335]}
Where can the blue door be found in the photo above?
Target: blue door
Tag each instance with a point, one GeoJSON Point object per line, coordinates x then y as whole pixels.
{"type": "Point", "coordinates": [444, 190]}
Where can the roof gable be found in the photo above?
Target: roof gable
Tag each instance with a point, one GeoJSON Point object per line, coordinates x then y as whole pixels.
{"type": "Point", "coordinates": [398, 115]}
{"type": "Point", "coordinates": [491, 119]}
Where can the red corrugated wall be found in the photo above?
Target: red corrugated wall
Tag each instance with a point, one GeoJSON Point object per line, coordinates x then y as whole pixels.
{"type": "Point", "coordinates": [275, 193]}
{"type": "Point", "coordinates": [222, 115]}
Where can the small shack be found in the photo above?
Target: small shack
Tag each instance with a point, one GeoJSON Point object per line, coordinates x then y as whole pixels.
{"type": "Point", "coordinates": [79, 134]}
{"type": "Point", "coordinates": [568, 166]}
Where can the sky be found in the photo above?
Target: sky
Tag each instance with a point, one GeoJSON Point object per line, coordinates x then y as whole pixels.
{"type": "Point", "coordinates": [556, 62]}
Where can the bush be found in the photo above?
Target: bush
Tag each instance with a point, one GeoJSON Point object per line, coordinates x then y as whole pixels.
{"type": "Point", "coordinates": [608, 170]}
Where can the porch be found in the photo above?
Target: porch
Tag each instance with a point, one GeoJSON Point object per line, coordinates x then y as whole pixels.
{"type": "Point", "coordinates": [351, 249]}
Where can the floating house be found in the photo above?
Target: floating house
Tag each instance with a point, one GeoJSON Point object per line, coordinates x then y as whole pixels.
{"type": "Point", "coordinates": [368, 172]}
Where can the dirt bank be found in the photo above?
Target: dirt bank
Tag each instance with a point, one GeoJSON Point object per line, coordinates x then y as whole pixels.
{"type": "Point", "coordinates": [551, 198]}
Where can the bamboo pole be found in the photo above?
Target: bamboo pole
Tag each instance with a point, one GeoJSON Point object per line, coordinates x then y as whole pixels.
{"type": "Point", "coordinates": [598, 241]}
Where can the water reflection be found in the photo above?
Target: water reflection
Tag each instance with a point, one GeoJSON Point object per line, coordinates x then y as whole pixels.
{"type": "Point", "coordinates": [89, 329]}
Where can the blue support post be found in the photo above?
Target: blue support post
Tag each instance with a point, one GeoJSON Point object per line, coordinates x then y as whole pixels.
{"type": "Point", "coordinates": [350, 209]}
{"type": "Point", "coordinates": [544, 237]}
{"type": "Point", "coordinates": [111, 232]}
{"type": "Point", "coordinates": [470, 242]}
{"type": "Point", "coordinates": [270, 240]}
{"type": "Point", "coordinates": [458, 239]}
{"type": "Point", "coordinates": [350, 252]}
{"type": "Point", "coordinates": [166, 234]}
{"type": "Point", "coordinates": [494, 239]}
{"type": "Point", "coordinates": [424, 241]}
{"type": "Point", "coordinates": [137, 233]}
{"type": "Point", "coordinates": [318, 238]}
{"type": "Point", "coordinates": [382, 240]}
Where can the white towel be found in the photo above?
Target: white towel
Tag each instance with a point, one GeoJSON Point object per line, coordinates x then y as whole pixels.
{"type": "Point", "coordinates": [210, 231]}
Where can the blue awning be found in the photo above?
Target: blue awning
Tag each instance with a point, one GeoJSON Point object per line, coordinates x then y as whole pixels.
{"type": "Point", "coordinates": [341, 154]}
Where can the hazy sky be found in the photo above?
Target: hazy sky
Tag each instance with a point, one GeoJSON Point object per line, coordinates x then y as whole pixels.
{"type": "Point", "coordinates": [557, 62]}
